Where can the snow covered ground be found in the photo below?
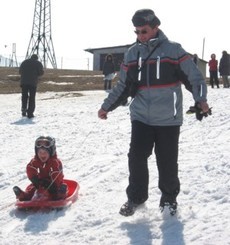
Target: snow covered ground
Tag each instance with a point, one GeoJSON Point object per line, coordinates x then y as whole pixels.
{"type": "Point", "coordinates": [94, 152]}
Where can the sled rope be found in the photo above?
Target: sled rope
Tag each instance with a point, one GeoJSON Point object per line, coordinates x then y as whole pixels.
{"type": "Point", "coordinates": [53, 181]}
{"type": "Point", "coordinates": [82, 143]}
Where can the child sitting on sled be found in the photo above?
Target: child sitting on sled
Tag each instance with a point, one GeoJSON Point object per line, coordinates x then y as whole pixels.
{"type": "Point", "coordinates": [44, 171]}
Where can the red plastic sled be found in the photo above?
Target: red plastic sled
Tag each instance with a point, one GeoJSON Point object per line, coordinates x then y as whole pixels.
{"type": "Point", "coordinates": [42, 200]}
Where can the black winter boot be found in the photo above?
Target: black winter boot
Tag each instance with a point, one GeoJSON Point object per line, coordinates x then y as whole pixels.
{"type": "Point", "coordinates": [128, 208]}
{"type": "Point", "coordinates": [168, 202]}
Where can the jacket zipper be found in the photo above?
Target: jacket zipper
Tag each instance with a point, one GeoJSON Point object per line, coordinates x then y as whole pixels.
{"type": "Point", "coordinates": [174, 103]}
{"type": "Point", "coordinates": [158, 67]}
{"type": "Point", "coordinates": [201, 90]}
{"type": "Point", "coordinates": [139, 69]}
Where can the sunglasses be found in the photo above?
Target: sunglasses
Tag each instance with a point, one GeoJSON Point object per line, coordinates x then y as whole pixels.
{"type": "Point", "coordinates": [140, 32]}
{"type": "Point", "coordinates": [43, 143]}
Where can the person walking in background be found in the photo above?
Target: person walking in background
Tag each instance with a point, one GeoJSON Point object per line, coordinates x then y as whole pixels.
{"type": "Point", "coordinates": [151, 74]}
{"type": "Point", "coordinates": [213, 69]}
{"type": "Point", "coordinates": [30, 70]}
{"type": "Point", "coordinates": [108, 71]}
{"type": "Point", "coordinates": [195, 59]}
{"type": "Point", "coordinates": [224, 68]}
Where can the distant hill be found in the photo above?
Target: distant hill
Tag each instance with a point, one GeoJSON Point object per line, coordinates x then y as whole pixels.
{"type": "Point", "coordinates": [56, 80]}
{"type": "Point", "coordinates": [53, 80]}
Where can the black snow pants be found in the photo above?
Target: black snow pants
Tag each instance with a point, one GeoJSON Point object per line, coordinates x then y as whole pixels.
{"type": "Point", "coordinates": [164, 140]}
{"type": "Point", "coordinates": [28, 98]}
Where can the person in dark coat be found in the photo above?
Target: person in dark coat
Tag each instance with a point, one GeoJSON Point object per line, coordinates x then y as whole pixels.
{"type": "Point", "coordinates": [224, 68]}
{"type": "Point", "coordinates": [108, 71]}
{"type": "Point", "coordinates": [30, 70]}
{"type": "Point", "coordinates": [195, 59]}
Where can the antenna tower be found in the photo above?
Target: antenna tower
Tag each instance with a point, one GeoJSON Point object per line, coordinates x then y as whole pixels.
{"type": "Point", "coordinates": [41, 40]}
{"type": "Point", "coordinates": [13, 59]}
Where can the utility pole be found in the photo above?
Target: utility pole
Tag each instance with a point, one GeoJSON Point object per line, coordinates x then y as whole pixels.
{"type": "Point", "coordinates": [203, 48]}
{"type": "Point", "coordinates": [41, 39]}
{"type": "Point", "coordinates": [13, 59]}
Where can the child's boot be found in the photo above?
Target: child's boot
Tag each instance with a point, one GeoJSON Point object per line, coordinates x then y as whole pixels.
{"type": "Point", "coordinates": [62, 192]}
{"type": "Point", "coordinates": [18, 192]}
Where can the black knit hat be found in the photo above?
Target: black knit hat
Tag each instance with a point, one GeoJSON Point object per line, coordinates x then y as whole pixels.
{"type": "Point", "coordinates": [145, 17]}
{"type": "Point", "coordinates": [34, 57]}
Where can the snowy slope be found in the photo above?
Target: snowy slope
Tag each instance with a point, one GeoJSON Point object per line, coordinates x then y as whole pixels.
{"type": "Point", "coordinates": [94, 152]}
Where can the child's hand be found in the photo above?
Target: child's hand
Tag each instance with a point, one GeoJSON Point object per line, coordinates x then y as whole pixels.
{"type": "Point", "coordinates": [35, 181]}
{"type": "Point", "coordinates": [45, 183]}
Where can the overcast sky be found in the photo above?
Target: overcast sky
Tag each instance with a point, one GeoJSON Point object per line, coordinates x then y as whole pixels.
{"type": "Point", "coordinates": [103, 23]}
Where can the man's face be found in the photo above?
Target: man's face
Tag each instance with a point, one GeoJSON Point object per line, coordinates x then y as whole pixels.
{"type": "Point", "coordinates": [145, 33]}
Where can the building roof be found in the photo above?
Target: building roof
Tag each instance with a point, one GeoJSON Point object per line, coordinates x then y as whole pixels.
{"type": "Point", "coordinates": [92, 50]}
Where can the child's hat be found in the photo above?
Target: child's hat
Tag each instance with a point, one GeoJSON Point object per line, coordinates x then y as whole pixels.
{"type": "Point", "coordinates": [47, 143]}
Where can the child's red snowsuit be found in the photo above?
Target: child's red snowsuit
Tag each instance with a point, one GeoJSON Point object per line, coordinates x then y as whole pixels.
{"type": "Point", "coordinates": [45, 173]}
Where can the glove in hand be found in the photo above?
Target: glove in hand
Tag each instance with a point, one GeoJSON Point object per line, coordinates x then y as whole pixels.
{"type": "Point", "coordinates": [199, 112]}
{"type": "Point", "coordinates": [45, 183]}
{"type": "Point", "coordinates": [35, 181]}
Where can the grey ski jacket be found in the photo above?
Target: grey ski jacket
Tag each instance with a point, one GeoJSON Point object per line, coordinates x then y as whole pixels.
{"type": "Point", "coordinates": [158, 95]}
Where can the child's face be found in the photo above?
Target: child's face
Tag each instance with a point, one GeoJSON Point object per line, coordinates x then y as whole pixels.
{"type": "Point", "coordinates": [43, 155]}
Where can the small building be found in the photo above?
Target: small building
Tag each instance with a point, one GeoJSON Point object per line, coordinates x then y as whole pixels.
{"type": "Point", "coordinates": [99, 55]}
{"type": "Point", "coordinates": [118, 52]}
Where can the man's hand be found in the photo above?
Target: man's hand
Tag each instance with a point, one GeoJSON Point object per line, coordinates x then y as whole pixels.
{"type": "Point", "coordinates": [204, 107]}
{"type": "Point", "coordinates": [202, 110]}
{"type": "Point", "coordinates": [102, 114]}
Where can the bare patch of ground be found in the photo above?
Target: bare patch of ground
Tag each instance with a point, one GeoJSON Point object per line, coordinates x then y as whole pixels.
{"type": "Point", "coordinates": [56, 80]}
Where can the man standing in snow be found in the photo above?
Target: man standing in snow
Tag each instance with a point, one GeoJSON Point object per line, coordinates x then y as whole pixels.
{"type": "Point", "coordinates": [213, 69]}
{"type": "Point", "coordinates": [224, 68]}
{"type": "Point", "coordinates": [30, 70]}
{"type": "Point", "coordinates": [108, 71]}
{"type": "Point", "coordinates": [151, 74]}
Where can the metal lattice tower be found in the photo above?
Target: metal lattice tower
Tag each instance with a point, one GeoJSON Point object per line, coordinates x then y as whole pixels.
{"type": "Point", "coordinates": [13, 59]}
{"type": "Point", "coordinates": [41, 40]}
